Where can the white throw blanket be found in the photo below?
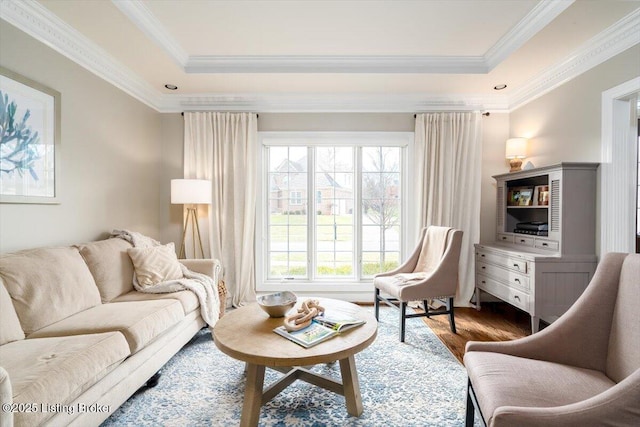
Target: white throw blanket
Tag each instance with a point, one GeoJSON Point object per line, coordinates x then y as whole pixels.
{"type": "Point", "coordinates": [200, 284]}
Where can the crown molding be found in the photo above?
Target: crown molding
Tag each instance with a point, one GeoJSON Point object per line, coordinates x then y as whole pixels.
{"type": "Point", "coordinates": [37, 21]}
{"type": "Point", "coordinates": [146, 21]}
{"type": "Point", "coordinates": [543, 13]}
{"type": "Point", "coordinates": [338, 103]}
{"type": "Point", "coordinates": [538, 18]}
{"type": "Point", "coordinates": [614, 40]}
{"type": "Point", "coordinates": [389, 64]}
{"type": "Point", "coordinates": [40, 23]}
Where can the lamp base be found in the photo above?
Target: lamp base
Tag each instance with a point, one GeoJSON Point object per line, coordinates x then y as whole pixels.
{"type": "Point", "coordinates": [516, 165]}
{"type": "Point", "coordinates": [191, 221]}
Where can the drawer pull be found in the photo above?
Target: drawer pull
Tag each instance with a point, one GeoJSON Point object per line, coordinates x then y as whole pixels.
{"type": "Point", "coordinates": [516, 297]}
{"type": "Point", "coordinates": [545, 244]}
{"type": "Point", "coordinates": [482, 255]}
{"type": "Point", "coordinates": [504, 237]}
{"type": "Point", "coordinates": [483, 267]}
{"type": "Point", "coordinates": [484, 282]}
{"type": "Point", "coordinates": [516, 266]}
{"type": "Point", "coordinates": [522, 241]}
{"type": "Point", "coordinates": [516, 280]}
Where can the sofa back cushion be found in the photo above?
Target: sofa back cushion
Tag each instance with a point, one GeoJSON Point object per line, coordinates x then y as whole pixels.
{"type": "Point", "coordinates": [110, 266]}
{"type": "Point", "coordinates": [624, 341]}
{"type": "Point", "coordinates": [47, 285]}
{"type": "Point", "coordinates": [10, 329]}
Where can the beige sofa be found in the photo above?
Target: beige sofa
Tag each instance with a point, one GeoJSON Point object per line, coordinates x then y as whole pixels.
{"type": "Point", "coordinates": [76, 340]}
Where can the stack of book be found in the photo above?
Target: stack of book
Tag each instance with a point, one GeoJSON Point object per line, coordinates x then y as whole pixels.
{"type": "Point", "coordinates": [535, 228]}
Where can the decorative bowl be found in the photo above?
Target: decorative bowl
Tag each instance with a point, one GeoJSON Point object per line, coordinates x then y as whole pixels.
{"type": "Point", "coordinates": [277, 305]}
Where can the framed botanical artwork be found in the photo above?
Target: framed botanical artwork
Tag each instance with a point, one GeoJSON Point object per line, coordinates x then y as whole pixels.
{"type": "Point", "coordinates": [29, 141]}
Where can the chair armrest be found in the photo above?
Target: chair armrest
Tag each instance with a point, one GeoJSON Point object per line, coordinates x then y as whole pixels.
{"type": "Point", "coordinates": [586, 324]}
{"type": "Point", "coordinates": [210, 267]}
{"type": "Point", "coordinates": [6, 396]}
{"type": "Point", "coordinates": [616, 406]}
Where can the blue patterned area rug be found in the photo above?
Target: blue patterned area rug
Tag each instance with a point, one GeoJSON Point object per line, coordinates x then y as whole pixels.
{"type": "Point", "coordinates": [418, 383]}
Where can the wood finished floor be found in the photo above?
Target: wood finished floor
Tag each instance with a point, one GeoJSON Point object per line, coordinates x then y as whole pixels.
{"type": "Point", "coordinates": [495, 322]}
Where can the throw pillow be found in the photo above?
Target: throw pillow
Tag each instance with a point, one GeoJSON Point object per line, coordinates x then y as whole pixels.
{"type": "Point", "coordinates": [155, 265]}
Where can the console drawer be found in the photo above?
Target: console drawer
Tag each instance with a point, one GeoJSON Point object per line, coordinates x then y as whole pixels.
{"type": "Point", "coordinates": [524, 240]}
{"type": "Point", "coordinates": [514, 264]}
{"type": "Point", "coordinates": [513, 296]}
{"type": "Point", "coordinates": [507, 277]}
{"type": "Point", "coordinates": [504, 238]}
{"type": "Point", "coordinates": [550, 245]}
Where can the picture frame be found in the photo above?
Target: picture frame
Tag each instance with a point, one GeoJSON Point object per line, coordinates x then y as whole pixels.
{"type": "Point", "coordinates": [520, 196]}
{"type": "Point", "coordinates": [30, 154]}
{"type": "Point", "coordinates": [541, 195]}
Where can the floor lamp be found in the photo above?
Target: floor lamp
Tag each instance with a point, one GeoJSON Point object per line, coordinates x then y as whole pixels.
{"type": "Point", "coordinates": [191, 192]}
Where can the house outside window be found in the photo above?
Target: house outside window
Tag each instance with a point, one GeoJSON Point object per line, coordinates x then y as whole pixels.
{"type": "Point", "coordinates": [332, 210]}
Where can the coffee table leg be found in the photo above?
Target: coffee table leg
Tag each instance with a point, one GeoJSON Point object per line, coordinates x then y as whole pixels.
{"type": "Point", "coordinates": [252, 395]}
{"type": "Point", "coordinates": [351, 386]}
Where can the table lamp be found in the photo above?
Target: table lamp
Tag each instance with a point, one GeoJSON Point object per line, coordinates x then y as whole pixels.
{"type": "Point", "coordinates": [191, 192]}
{"type": "Point", "coordinates": [516, 150]}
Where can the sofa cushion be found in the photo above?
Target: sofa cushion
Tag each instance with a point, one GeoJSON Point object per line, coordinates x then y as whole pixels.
{"type": "Point", "coordinates": [188, 299]}
{"type": "Point", "coordinates": [155, 264]}
{"type": "Point", "coordinates": [47, 285]}
{"type": "Point", "coordinates": [503, 380]}
{"type": "Point", "coordinates": [139, 321]}
{"type": "Point", "coordinates": [110, 266]}
{"type": "Point", "coordinates": [10, 329]}
{"type": "Point", "coordinates": [57, 370]}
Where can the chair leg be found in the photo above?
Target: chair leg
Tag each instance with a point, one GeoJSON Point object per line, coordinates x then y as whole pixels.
{"type": "Point", "coordinates": [403, 319]}
{"type": "Point", "coordinates": [376, 303]}
{"type": "Point", "coordinates": [426, 307]}
{"type": "Point", "coordinates": [470, 415]}
{"type": "Point", "coordinates": [452, 320]}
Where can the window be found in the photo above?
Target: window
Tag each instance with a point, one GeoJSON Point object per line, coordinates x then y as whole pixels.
{"type": "Point", "coordinates": [332, 208]}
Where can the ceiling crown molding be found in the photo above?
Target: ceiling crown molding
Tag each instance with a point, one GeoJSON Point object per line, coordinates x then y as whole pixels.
{"type": "Point", "coordinates": [614, 40]}
{"type": "Point", "coordinates": [538, 18]}
{"type": "Point", "coordinates": [335, 64]}
{"type": "Point", "coordinates": [40, 23]}
{"type": "Point", "coordinates": [543, 13]}
{"type": "Point", "coordinates": [146, 21]}
{"type": "Point", "coordinates": [339, 103]}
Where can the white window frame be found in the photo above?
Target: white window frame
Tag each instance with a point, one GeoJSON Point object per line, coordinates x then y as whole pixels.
{"type": "Point", "coordinates": [352, 289]}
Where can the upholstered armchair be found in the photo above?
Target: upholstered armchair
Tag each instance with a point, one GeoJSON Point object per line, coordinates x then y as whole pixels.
{"type": "Point", "coordinates": [582, 370]}
{"type": "Point", "coordinates": [431, 272]}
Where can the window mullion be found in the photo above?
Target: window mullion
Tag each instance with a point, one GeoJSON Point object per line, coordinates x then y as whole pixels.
{"type": "Point", "coordinates": [311, 214]}
{"type": "Point", "coordinates": [357, 217]}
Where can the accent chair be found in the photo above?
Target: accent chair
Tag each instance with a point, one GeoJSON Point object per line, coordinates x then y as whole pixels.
{"type": "Point", "coordinates": [431, 272]}
{"type": "Point", "coordinates": [582, 370]}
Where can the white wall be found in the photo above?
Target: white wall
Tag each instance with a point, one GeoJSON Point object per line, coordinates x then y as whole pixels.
{"type": "Point", "coordinates": [110, 155]}
{"type": "Point", "coordinates": [171, 218]}
{"type": "Point", "coordinates": [564, 125]}
{"type": "Point", "coordinates": [338, 122]}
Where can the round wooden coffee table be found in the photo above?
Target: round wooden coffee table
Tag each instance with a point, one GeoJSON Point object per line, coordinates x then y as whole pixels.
{"type": "Point", "coordinates": [247, 334]}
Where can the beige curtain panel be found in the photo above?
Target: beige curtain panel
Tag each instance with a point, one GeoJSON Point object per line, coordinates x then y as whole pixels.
{"type": "Point", "coordinates": [222, 147]}
{"type": "Point", "coordinates": [447, 166]}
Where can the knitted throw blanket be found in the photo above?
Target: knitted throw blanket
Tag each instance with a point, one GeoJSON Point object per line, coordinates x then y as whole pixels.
{"type": "Point", "coordinates": [203, 286]}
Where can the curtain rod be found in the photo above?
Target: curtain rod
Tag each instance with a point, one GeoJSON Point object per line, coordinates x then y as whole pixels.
{"type": "Point", "coordinates": [487, 114]}
{"type": "Point", "coordinates": [182, 114]}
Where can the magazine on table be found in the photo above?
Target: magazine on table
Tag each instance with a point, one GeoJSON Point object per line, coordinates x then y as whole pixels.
{"type": "Point", "coordinates": [321, 329]}
{"type": "Point", "coordinates": [307, 337]}
{"type": "Point", "coordinates": [338, 320]}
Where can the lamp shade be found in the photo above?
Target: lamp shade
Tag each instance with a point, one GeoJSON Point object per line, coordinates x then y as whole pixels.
{"type": "Point", "coordinates": [516, 148]}
{"type": "Point", "coordinates": [190, 191]}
